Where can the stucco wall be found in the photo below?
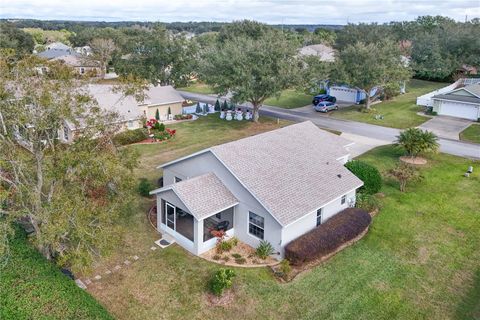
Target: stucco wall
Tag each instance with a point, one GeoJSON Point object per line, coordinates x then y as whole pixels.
{"type": "Point", "coordinates": [175, 108]}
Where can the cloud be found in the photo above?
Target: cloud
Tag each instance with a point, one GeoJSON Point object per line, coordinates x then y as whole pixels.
{"type": "Point", "coordinates": [269, 11]}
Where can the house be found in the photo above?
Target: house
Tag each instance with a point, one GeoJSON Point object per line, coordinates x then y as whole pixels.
{"type": "Point", "coordinates": [80, 64]}
{"type": "Point", "coordinates": [463, 102]}
{"type": "Point", "coordinates": [132, 113]}
{"type": "Point", "coordinates": [324, 52]}
{"type": "Point", "coordinates": [274, 186]}
{"type": "Point", "coordinates": [54, 50]}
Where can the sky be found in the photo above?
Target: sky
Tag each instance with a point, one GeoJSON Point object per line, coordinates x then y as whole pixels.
{"type": "Point", "coordinates": [268, 11]}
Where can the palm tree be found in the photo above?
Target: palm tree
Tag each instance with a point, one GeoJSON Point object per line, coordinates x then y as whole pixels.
{"type": "Point", "coordinates": [416, 141]}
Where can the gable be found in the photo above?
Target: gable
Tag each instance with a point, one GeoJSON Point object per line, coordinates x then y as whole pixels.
{"type": "Point", "coordinates": [461, 92]}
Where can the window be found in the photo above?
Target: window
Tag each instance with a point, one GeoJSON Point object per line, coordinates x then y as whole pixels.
{"type": "Point", "coordinates": [344, 198]}
{"type": "Point", "coordinates": [82, 70]}
{"type": "Point", "coordinates": [130, 123]}
{"type": "Point", "coordinates": [319, 216]}
{"type": "Point", "coordinates": [177, 179]}
{"type": "Point", "coordinates": [65, 132]}
{"type": "Point", "coordinates": [256, 225]}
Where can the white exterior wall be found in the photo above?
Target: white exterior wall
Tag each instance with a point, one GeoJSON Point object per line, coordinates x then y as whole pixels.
{"type": "Point", "coordinates": [309, 222]}
{"type": "Point", "coordinates": [457, 109]}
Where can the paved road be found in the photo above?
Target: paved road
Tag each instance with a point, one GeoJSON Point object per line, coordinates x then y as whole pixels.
{"type": "Point", "coordinates": [463, 149]}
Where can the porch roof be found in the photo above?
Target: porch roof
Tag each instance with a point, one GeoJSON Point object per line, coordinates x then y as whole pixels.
{"type": "Point", "coordinates": [203, 195]}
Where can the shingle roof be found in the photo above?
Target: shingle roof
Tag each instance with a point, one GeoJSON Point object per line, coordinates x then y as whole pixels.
{"type": "Point", "coordinates": [292, 171]}
{"type": "Point", "coordinates": [54, 53]}
{"type": "Point", "coordinates": [457, 97]}
{"type": "Point", "coordinates": [76, 60]}
{"type": "Point", "coordinates": [325, 53]}
{"type": "Point", "coordinates": [203, 195]}
{"type": "Point", "coordinates": [157, 95]}
{"type": "Point", "coordinates": [474, 88]}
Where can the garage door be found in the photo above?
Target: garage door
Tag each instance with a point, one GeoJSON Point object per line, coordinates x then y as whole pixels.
{"type": "Point", "coordinates": [459, 110]}
{"type": "Point", "coordinates": [344, 94]}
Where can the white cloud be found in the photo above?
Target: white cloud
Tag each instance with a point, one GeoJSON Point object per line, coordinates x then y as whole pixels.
{"type": "Point", "coordinates": [269, 11]}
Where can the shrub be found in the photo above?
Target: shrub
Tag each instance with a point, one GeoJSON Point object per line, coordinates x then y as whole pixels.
{"type": "Point", "coordinates": [216, 257]}
{"type": "Point", "coordinates": [285, 267]}
{"type": "Point", "coordinates": [372, 180]}
{"type": "Point", "coordinates": [240, 260]}
{"type": "Point", "coordinates": [217, 105]}
{"type": "Point", "coordinates": [234, 241]}
{"type": "Point", "coordinates": [198, 109]}
{"type": "Point", "coordinates": [159, 126]}
{"type": "Point", "coordinates": [264, 249]}
{"type": "Point", "coordinates": [327, 237]}
{"type": "Point", "coordinates": [157, 115]}
{"type": "Point", "coordinates": [221, 280]}
{"type": "Point", "coordinates": [224, 246]}
{"type": "Point", "coordinates": [416, 141]}
{"type": "Point", "coordinates": [130, 136]}
{"type": "Point", "coordinates": [236, 255]}
{"type": "Point", "coordinates": [226, 258]}
{"type": "Point", "coordinates": [144, 187]}
{"type": "Point", "coordinates": [367, 202]}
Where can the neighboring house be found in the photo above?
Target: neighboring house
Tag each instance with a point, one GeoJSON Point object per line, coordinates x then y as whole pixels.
{"type": "Point", "coordinates": [463, 102]}
{"type": "Point", "coordinates": [80, 64]}
{"type": "Point", "coordinates": [346, 94]}
{"type": "Point", "coordinates": [466, 70]}
{"type": "Point", "coordinates": [274, 186]}
{"type": "Point", "coordinates": [57, 46]}
{"type": "Point", "coordinates": [85, 50]}
{"type": "Point", "coordinates": [131, 112]}
{"type": "Point", "coordinates": [324, 52]}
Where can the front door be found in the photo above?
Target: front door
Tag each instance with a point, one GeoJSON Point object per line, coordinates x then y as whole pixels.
{"type": "Point", "coordinates": [170, 215]}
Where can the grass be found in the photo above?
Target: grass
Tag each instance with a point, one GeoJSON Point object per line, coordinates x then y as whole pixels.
{"type": "Point", "coordinates": [33, 288]}
{"type": "Point", "coordinates": [400, 112]}
{"type": "Point", "coordinates": [290, 99]}
{"type": "Point", "coordinates": [198, 87]}
{"type": "Point", "coordinates": [471, 134]}
{"type": "Point", "coordinates": [420, 259]}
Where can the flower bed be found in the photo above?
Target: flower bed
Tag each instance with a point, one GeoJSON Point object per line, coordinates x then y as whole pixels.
{"type": "Point", "coordinates": [158, 132]}
{"type": "Point", "coordinates": [240, 255]}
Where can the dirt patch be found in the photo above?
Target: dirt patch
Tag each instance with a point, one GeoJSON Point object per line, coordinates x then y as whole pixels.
{"type": "Point", "coordinates": [423, 255]}
{"type": "Point", "coordinates": [224, 300]}
{"type": "Point", "coordinates": [416, 161]}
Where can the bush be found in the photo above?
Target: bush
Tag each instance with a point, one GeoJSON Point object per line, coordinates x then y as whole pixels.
{"type": "Point", "coordinates": [327, 237]}
{"type": "Point", "coordinates": [226, 258]}
{"type": "Point", "coordinates": [224, 246]}
{"type": "Point", "coordinates": [367, 202]}
{"type": "Point", "coordinates": [236, 255]}
{"type": "Point", "coordinates": [216, 257]}
{"type": "Point", "coordinates": [130, 136]}
{"type": "Point", "coordinates": [221, 280]}
{"type": "Point", "coordinates": [372, 180]}
{"type": "Point", "coordinates": [144, 187]}
{"type": "Point", "coordinates": [264, 249]}
{"type": "Point", "coordinates": [159, 126]}
{"type": "Point", "coordinates": [240, 260]}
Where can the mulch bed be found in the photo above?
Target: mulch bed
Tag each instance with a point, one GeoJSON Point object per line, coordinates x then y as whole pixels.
{"type": "Point", "coordinates": [415, 161]}
{"type": "Point", "coordinates": [224, 300]}
{"type": "Point", "coordinates": [245, 251]}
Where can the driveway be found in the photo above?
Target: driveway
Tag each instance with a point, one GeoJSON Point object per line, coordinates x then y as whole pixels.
{"type": "Point", "coordinates": [309, 108]}
{"type": "Point", "coordinates": [446, 127]}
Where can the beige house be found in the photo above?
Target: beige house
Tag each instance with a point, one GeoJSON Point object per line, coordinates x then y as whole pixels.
{"type": "Point", "coordinates": [81, 64]}
{"type": "Point", "coordinates": [132, 114]}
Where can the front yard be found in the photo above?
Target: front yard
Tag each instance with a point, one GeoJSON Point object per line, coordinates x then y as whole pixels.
{"type": "Point", "coordinates": [419, 260]}
{"type": "Point", "coordinates": [400, 112]}
{"type": "Point", "coordinates": [471, 134]}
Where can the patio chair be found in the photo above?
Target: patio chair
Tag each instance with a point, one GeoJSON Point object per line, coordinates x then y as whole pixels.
{"type": "Point", "coordinates": [223, 225]}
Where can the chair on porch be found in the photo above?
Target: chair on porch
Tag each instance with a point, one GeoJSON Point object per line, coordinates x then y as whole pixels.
{"type": "Point", "coordinates": [223, 225]}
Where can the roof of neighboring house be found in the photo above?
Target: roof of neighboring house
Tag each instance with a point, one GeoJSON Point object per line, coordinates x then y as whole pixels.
{"type": "Point", "coordinates": [472, 89]}
{"type": "Point", "coordinates": [75, 60]}
{"type": "Point", "coordinates": [57, 46]}
{"type": "Point", "coordinates": [291, 171]}
{"type": "Point", "coordinates": [158, 95]}
{"type": "Point", "coordinates": [325, 52]}
{"type": "Point", "coordinates": [203, 195]}
{"type": "Point", "coordinates": [54, 53]}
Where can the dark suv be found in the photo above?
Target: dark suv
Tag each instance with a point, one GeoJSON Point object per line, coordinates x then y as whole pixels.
{"type": "Point", "coordinates": [323, 97]}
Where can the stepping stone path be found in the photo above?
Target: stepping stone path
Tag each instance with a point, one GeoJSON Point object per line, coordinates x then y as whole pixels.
{"type": "Point", "coordinates": [97, 277]}
{"type": "Point", "coordinates": [80, 284]}
{"type": "Point", "coordinates": [88, 281]}
{"type": "Point", "coordinates": [108, 272]}
{"type": "Point", "coordinates": [153, 248]}
{"type": "Point", "coordinates": [117, 267]}
{"type": "Point", "coordinates": [126, 262]}
{"type": "Point", "coordinates": [136, 258]}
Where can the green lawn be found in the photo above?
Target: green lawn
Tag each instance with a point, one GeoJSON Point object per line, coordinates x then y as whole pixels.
{"type": "Point", "coordinates": [33, 288]}
{"type": "Point", "coordinates": [471, 134]}
{"type": "Point", "coordinates": [198, 87]}
{"type": "Point", "coordinates": [420, 259]}
{"type": "Point", "coordinates": [290, 99]}
{"type": "Point", "coordinates": [400, 112]}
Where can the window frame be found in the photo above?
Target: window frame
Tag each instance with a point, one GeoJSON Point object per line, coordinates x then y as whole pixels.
{"type": "Point", "coordinates": [262, 228]}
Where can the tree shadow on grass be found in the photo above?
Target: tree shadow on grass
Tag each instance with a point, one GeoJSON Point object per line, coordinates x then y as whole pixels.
{"type": "Point", "coordinates": [469, 308]}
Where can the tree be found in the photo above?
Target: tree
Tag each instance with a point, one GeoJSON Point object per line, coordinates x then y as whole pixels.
{"type": "Point", "coordinates": [169, 111]}
{"type": "Point", "coordinates": [251, 61]}
{"type": "Point", "coordinates": [217, 105]}
{"type": "Point", "coordinates": [225, 105]}
{"type": "Point", "coordinates": [205, 108]}
{"type": "Point", "coordinates": [102, 50]}
{"type": "Point", "coordinates": [16, 39]}
{"type": "Point", "coordinates": [416, 141]}
{"type": "Point", "coordinates": [405, 173]}
{"type": "Point", "coordinates": [71, 195]}
{"type": "Point", "coordinates": [157, 115]}
{"type": "Point", "coordinates": [198, 109]}
{"type": "Point", "coordinates": [370, 68]}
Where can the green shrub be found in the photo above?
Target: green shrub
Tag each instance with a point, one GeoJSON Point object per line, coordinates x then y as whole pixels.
{"type": "Point", "coordinates": [372, 180]}
{"type": "Point", "coordinates": [225, 246]}
{"type": "Point", "coordinates": [285, 267]}
{"type": "Point", "coordinates": [217, 105]}
{"type": "Point", "coordinates": [130, 136]}
{"type": "Point", "coordinates": [158, 126]}
{"type": "Point", "coordinates": [157, 115]}
{"type": "Point", "coordinates": [216, 257]}
{"type": "Point", "coordinates": [264, 249]}
{"type": "Point", "coordinates": [236, 255]}
{"type": "Point", "coordinates": [144, 187]}
{"type": "Point", "coordinates": [367, 202]}
{"type": "Point", "coordinates": [226, 258]}
{"type": "Point", "coordinates": [240, 260]}
{"type": "Point", "coordinates": [221, 280]}
{"type": "Point", "coordinates": [198, 109]}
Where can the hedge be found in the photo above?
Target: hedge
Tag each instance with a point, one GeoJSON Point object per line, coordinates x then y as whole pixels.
{"type": "Point", "coordinates": [130, 136]}
{"type": "Point", "coordinates": [327, 237]}
{"type": "Point", "coordinates": [371, 177]}
{"type": "Point", "coordinates": [32, 287]}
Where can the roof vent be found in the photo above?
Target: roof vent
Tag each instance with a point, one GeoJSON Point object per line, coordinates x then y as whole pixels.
{"type": "Point", "coordinates": [339, 175]}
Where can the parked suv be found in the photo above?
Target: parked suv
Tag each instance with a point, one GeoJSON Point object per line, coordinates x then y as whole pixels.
{"type": "Point", "coordinates": [323, 97]}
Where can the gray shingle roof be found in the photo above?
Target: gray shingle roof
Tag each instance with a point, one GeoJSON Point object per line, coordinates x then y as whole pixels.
{"type": "Point", "coordinates": [292, 171]}
{"type": "Point", "coordinates": [203, 195]}
{"type": "Point", "coordinates": [457, 97]}
{"type": "Point", "coordinates": [157, 95]}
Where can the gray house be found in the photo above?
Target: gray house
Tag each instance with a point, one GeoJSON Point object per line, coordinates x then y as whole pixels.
{"type": "Point", "coordinates": [274, 186]}
{"type": "Point", "coordinates": [463, 102]}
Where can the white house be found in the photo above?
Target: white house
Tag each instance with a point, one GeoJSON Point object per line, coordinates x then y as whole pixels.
{"type": "Point", "coordinates": [275, 186]}
{"type": "Point", "coordinates": [463, 102]}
